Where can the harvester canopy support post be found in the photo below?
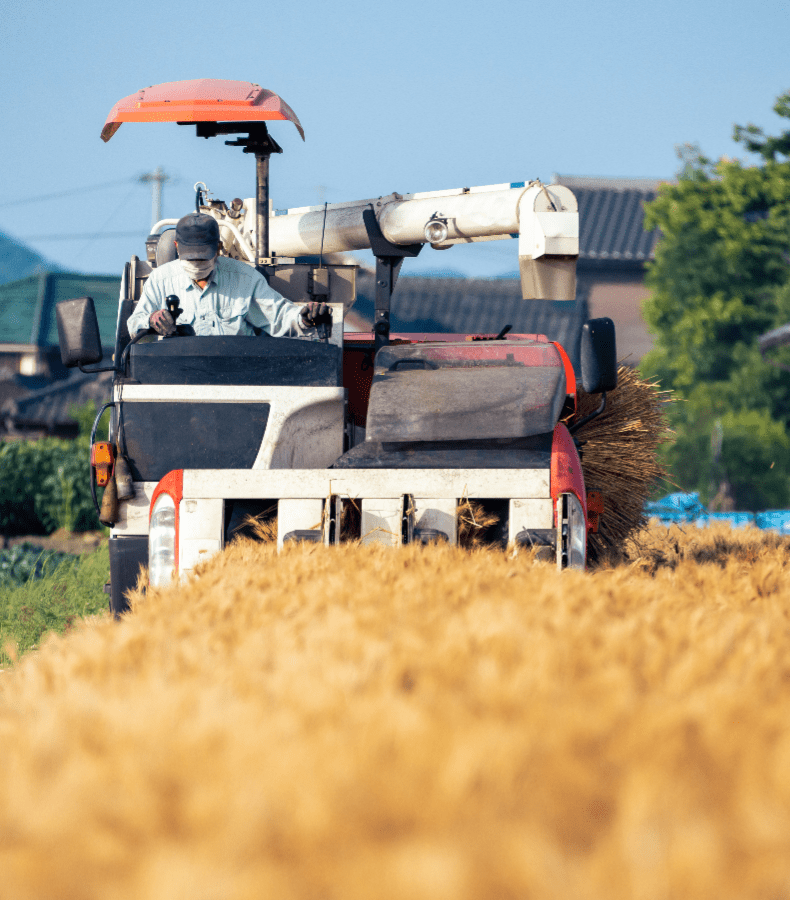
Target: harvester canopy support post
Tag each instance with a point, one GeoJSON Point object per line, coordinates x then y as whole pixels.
{"type": "Point", "coordinates": [255, 139]}
{"type": "Point", "coordinates": [261, 207]}
{"type": "Point", "coordinates": [388, 261]}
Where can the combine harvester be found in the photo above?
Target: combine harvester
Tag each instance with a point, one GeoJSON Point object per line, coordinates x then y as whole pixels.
{"type": "Point", "coordinates": [384, 433]}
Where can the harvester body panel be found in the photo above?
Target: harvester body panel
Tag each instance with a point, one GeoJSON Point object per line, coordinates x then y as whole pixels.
{"type": "Point", "coordinates": [453, 392]}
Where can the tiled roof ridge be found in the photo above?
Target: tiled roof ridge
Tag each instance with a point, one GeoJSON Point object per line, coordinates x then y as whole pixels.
{"type": "Point", "coordinates": [602, 182]}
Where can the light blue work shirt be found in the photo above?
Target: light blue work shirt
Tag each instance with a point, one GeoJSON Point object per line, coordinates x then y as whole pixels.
{"type": "Point", "coordinates": [235, 299]}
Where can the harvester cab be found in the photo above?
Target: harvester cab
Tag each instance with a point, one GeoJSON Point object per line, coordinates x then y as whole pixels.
{"type": "Point", "coordinates": [373, 436]}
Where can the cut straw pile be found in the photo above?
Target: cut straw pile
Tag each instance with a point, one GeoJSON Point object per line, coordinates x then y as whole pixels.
{"type": "Point", "coordinates": [618, 450]}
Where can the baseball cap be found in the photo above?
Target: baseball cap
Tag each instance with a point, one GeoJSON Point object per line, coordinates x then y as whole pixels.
{"type": "Point", "coordinates": [197, 236]}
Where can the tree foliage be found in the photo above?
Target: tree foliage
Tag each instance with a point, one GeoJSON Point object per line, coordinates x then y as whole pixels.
{"type": "Point", "coordinates": [721, 278]}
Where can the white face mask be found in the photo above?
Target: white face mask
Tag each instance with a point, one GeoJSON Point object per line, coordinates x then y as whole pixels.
{"type": "Point", "coordinates": [198, 269]}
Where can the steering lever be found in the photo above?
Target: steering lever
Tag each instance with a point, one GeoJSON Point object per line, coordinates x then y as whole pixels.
{"type": "Point", "coordinates": [172, 303]}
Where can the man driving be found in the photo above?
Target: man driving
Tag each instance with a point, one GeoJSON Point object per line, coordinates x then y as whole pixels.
{"type": "Point", "coordinates": [217, 294]}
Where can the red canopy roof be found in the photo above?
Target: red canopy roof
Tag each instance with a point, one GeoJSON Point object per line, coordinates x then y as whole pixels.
{"type": "Point", "coordinates": [200, 100]}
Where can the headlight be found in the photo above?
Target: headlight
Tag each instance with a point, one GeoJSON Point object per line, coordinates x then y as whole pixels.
{"type": "Point", "coordinates": [162, 542]}
{"type": "Point", "coordinates": [436, 229]}
{"type": "Point", "coordinates": [571, 533]}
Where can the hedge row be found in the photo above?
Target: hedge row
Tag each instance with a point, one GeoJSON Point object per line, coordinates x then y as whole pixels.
{"type": "Point", "coordinates": [45, 484]}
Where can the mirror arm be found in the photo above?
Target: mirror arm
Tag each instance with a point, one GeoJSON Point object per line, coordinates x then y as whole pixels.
{"type": "Point", "coordinates": [577, 425]}
{"type": "Point", "coordinates": [112, 368]}
{"type": "Point", "coordinates": [120, 368]}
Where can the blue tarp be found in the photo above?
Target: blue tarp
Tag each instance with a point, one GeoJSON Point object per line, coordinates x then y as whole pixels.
{"type": "Point", "coordinates": [686, 508]}
{"type": "Point", "coordinates": [735, 519]}
{"type": "Point", "coordinates": [676, 507]}
{"type": "Point", "coordinates": [774, 520]}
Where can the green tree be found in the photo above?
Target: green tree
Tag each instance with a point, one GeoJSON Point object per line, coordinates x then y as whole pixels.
{"type": "Point", "coordinates": [721, 277]}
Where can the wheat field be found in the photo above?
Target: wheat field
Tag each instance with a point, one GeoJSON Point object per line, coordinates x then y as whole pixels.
{"type": "Point", "coordinates": [428, 723]}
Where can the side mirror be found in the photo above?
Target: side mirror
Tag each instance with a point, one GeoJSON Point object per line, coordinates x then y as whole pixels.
{"type": "Point", "coordinates": [78, 332]}
{"type": "Point", "coordinates": [598, 356]}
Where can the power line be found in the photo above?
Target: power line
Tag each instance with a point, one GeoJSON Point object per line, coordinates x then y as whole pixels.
{"type": "Point", "coordinates": [83, 190]}
{"type": "Point", "coordinates": [106, 222]}
{"type": "Point", "coordinates": [32, 238]}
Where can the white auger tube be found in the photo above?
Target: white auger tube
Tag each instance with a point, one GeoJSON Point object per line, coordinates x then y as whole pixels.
{"type": "Point", "coordinates": [544, 218]}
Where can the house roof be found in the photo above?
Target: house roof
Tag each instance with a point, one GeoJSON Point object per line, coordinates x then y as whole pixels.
{"type": "Point", "coordinates": [27, 306]}
{"type": "Point", "coordinates": [49, 407]}
{"type": "Point", "coordinates": [611, 218]}
{"type": "Point", "coordinates": [475, 305]}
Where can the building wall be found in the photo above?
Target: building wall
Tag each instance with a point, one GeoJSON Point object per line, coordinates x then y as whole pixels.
{"type": "Point", "coordinates": [620, 297]}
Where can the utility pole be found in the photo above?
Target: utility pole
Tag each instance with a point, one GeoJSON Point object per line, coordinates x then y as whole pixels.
{"type": "Point", "coordinates": [156, 179]}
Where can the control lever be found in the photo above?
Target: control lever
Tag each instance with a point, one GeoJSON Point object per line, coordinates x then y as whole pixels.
{"type": "Point", "coordinates": [172, 303]}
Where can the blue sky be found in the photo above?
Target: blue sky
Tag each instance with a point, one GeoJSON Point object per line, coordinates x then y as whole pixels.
{"type": "Point", "coordinates": [412, 96]}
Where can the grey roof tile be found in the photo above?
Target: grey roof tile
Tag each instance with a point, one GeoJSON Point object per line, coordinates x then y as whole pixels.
{"type": "Point", "coordinates": [611, 218]}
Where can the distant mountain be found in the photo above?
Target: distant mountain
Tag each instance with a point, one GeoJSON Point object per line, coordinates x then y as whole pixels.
{"type": "Point", "coordinates": [18, 261]}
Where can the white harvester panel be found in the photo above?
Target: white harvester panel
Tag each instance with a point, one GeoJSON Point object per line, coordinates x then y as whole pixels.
{"type": "Point", "coordinates": [529, 515]}
{"type": "Point", "coordinates": [298, 515]}
{"type": "Point", "coordinates": [389, 499]}
{"type": "Point", "coordinates": [305, 424]}
{"type": "Point", "coordinates": [436, 515]}
{"type": "Point", "coordinates": [382, 521]}
{"type": "Point", "coordinates": [367, 483]}
{"type": "Point", "coordinates": [201, 524]}
{"type": "Point", "coordinates": [133, 514]}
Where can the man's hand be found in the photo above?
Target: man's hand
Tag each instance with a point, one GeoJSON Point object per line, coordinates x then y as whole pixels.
{"type": "Point", "coordinates": [162, 322]}
{"type": "Point", "coordinates": [316, 313]}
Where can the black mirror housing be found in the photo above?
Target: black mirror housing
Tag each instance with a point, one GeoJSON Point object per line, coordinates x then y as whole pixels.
{"type": "Point", "coordinates": [598, 356]}
{"type": "Point", "coordinates": [78, 332]}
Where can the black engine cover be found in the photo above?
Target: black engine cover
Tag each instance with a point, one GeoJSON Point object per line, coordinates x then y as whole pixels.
{"type": "Point", "coordinates": [226, 360]}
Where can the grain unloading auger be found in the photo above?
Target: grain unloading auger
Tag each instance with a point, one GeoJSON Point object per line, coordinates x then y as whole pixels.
{"type": "Point", "coordinates": [373, 436]}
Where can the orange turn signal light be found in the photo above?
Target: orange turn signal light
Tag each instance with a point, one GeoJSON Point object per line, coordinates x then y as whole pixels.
{"type": "Point", "coordinates": [103, 461]}
{"type": "Point", "coordinates": [594, 510]}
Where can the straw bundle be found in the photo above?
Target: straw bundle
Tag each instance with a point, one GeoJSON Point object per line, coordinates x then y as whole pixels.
{"type": "Point", "coordinates": [618, 452]}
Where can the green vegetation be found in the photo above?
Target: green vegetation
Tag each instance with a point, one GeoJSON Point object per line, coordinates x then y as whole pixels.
{"type": "Point", "coordinates": [68, 590]}
{"type": "Point", "coordinates": [44, 484]}
{"type": "Point", "coordinates": [720, 279]}
{"type": "Point", "coordinates": [18, 564]}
